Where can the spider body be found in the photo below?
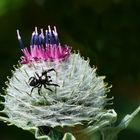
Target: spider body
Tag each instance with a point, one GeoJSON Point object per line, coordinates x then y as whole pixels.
{"type": "Point", "coordinates": [43, 80]}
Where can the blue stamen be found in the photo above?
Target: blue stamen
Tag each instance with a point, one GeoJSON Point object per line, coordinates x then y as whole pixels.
{"type": "Point", "coordinates": [56, 36]}
{"type": "Point", "coordinates": [57, 41]}
{"type": "Point", "coordinates": [50, 36]}
{"type": "Point", "coordinates": [41, 40]}
{"type": "Point", "coordinates": [36, 40]}
{"type": "Point", "coordinates": [20, 41]}
{"type": "Point", "coordinates": [47, 38]}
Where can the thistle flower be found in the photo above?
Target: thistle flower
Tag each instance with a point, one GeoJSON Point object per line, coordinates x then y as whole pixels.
{"type": "Point", "coordinates": [54, 88]}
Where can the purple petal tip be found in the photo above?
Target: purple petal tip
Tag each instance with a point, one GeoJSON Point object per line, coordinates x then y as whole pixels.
{"type": "Point", "coordinates": [44, 47]}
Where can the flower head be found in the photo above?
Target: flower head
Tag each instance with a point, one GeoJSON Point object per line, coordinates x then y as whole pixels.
{"type": "Point", "coordinates": [54, 87]}
{"type": "Point", "coordinates": [44, 47]}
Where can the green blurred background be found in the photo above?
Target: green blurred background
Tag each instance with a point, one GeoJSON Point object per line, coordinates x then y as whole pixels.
{"type": "Point", "coordinates": [106, 31]}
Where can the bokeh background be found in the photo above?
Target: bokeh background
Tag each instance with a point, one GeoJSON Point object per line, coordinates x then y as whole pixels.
{"type": "Point", "coordinates": [106, 31]}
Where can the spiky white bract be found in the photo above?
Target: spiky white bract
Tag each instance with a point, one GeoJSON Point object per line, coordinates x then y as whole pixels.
{"type": "Point", "coordinates": [55, 89]}
{"type": "Point", "coordinates": [79, 99]}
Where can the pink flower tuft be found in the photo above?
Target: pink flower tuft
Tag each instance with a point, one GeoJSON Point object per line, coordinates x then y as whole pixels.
{"type": "Point", "coordinates": [45, 48]}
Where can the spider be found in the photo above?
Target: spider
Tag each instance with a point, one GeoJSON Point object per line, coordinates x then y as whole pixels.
{"type": "Point", "coordinates": [43, 80]}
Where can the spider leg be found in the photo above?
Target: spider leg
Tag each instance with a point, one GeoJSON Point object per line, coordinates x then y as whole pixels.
{"type": "Point", "coordinates": [34, 88]}
{"type": "Point", "coordinates": [53, 84]}
{"type": "Point", "coordinates": [49, 81]}
{"type": "Point", "coordinates": [46, 72]}
{"type": "Point", "coordinates": [39, 89]}
{"type": "Point", "coordinates": [37, 75]}
{"type": "Point", "coordinates": [56, 85]}
{"type": "Point", "coordinates": [30, 79]}
{"type": "Point", "coordinates": [51, 70]}
{"type": "Point", "coordinates": [47, 88]}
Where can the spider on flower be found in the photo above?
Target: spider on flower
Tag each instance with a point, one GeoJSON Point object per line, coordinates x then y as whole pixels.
{"type": "Point", "coordinates": [43, 80]}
